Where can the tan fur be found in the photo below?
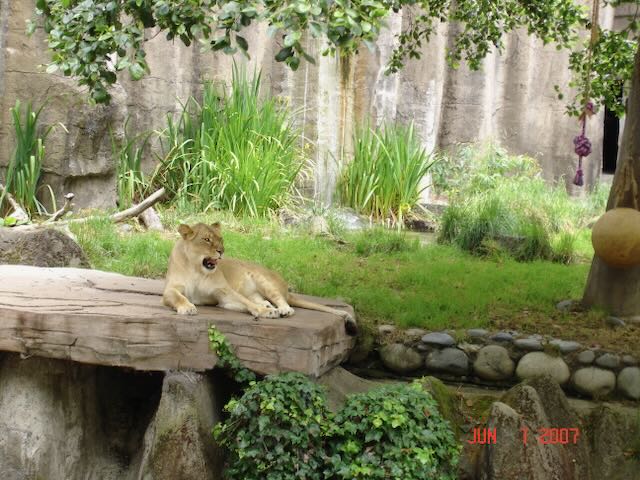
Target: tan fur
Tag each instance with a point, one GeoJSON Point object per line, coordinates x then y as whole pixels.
{"type": "Point", "coordinates": [233, 284]}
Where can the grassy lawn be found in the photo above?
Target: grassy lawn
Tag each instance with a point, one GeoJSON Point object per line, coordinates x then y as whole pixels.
{"type": "Point", "coordinates": [389, 278]}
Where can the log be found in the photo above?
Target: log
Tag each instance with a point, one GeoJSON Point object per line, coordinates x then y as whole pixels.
{"type": "Point", "coordinates": [18, 212]}
{"type": "Point", "coordinates": [67, 207]}
{"type": "Point", "coordinates": [104, 318]}
{"type": "Point", "coordinates": [151, 220]}
{"type": "Point", "coordinates": [139, 208]}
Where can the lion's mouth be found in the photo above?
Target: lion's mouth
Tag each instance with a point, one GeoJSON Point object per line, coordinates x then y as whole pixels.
{"type": "Point", "coordinates": [209, 263]}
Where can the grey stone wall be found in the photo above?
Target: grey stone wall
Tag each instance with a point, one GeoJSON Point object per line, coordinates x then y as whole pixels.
{"type": "Point", "coordinates": [511, 101]}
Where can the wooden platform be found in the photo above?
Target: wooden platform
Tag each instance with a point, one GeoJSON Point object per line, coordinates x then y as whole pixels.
{"type": "Point", "coordinates": [104, 318]}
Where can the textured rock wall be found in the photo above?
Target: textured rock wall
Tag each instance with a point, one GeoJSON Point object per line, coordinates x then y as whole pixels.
{"type": "Point", "coordinates": [511, 100]}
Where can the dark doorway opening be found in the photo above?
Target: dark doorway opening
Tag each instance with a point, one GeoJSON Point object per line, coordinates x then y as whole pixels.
{"type": "Point", "coordinates": [610, 141]}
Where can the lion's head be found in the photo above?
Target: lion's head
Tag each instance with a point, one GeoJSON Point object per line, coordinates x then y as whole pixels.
{"type": "Point", "coordinates": [203, 245]}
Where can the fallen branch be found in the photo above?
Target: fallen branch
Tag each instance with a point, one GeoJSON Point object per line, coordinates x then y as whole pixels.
{"type": "Point", "coordinates": [151, 219]}
{"type": "Point", "coordinates": [18, 212]}
{"type": "Point", "coordinates": [139, 208]}
{"type": "Point", "coordinates": [67, 207]}
{"type": "Point", "coordinates": [116, 217]}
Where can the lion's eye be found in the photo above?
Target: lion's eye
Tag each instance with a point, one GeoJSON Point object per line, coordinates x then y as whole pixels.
{"type": "Point", "coordinates": [207, 240]}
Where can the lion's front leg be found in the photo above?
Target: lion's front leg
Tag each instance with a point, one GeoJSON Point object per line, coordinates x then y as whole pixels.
{"type": "Point", "coordinates": [232, 300]}
{"type": "Point", "coordinates": [173, 297]}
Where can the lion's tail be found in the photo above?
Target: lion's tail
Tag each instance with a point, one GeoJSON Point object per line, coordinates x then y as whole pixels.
{"type": "Point", "coordinates": [349, 322]}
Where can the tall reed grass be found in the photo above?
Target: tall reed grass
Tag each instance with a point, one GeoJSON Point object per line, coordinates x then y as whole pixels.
{"type": "Point", "coordinates": [384, 178]}
{"type": "Point", "coordinates": [25, 166]}
{"type": "Point", "coordinates": [237, 151]}
{"type": "Point", "coordinates": [132, 184]}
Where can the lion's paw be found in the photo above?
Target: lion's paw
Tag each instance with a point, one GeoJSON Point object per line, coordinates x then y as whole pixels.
{"type": "Point", "coordinates": [187, 309]}
{"type": "Point", "coordinates": [286, 311]}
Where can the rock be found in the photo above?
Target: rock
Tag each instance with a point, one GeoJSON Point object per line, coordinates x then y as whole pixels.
{"type": "Point", "coordinates": [40, 248]}
{"type": "Point", "coordinates": [318, 225]}
{"type": "Point", "coordinates": [469, 348]}
{"type": "Point", "coordinates": [477, 332]}
{"type": "Point", "coordinates": [629, 360]}
{"type": "Point", "coordinates": [439, 339]}
{"type": "Point", "coordinates": [502, 337]}
{"type": "Point", "coordinates": [593, 381]}
{"type": "Point", "coordinates": [415, 332]}
{"type": "Point", "coordinates": [565, 346]}
{"type": "Point", "coordinates": [493, 363]}
{"type": "Point", "coordinates": [616, 237]}
{"type": "Point", "coordinates": [448, 360]}
{"type": "Point", "coordinates": [386, 329]}
{"type": "Point", "coordinates": [540, 363]}
{"type": "Point", "coordinates": [178, 443]}
{"type": "Point", "coordinates": [365, 344]}
{"type": "Point", "coordinates": [608, 360]}
{"type": "Point", "coordinates": [615, 322]}
{"type": "Point", "coordinates": [509, 458]}
{"type": "Point", "coordinates": [399, 358]}
{"type": "Point", "coordinates": [350, 219]}
{"type": "Point", "coordinates": [629, 382]}
{"type": "Point", "coordinates": [528, 344]}
{"type": "Point", "coordinates": [567, 305]}
{"type": "Point", "coordinates": [341, 383]}
{"type": "Point", "coordinates": [587, 357]}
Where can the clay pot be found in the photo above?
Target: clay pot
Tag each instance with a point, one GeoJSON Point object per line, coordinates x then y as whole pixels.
{"type": "Point", "coordinates": [616, 237]}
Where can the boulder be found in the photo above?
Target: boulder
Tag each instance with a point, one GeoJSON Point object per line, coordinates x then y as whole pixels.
{"type": "Point", "coordinates": [594, 381]}
{"type": "Point", "coordinates": [40, 248]}
{"type": "Point", "coordinates": [539, 363]}
{"type": "Point", "coordinates": [493, 363]}
{"type": "Point", "coordinates": [616, 237]}
{"type": "Point", "coordinates": [629, 382]}
{"type": "Point", "coordinates": [399, 358]}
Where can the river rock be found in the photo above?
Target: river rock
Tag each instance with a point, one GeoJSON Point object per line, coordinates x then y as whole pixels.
{"type": "Point", "coordinates": [502, 337]}
{"type": "Point", "coordinates": [477, 332]}
{"type": "Point", "coordinates": [593, 381]}
{"type": "Point", "coordinates": [615, 322]}
{"type": "Point", "coordinates": [629, 360]}
{"type": "Point", "coordinates": [386, 329]}
{"type": "Point", "coordinates": [439, 339]}
{"type": "Point", "coordinates": [565, 346]}
{"type": "Point", "coordinates": [399, 358]}
{"type": "Point", "coordinates": [493, 363]}
{"type": "Point", "coordinates": [540, 363]}
{"type": "Point", "coordinates": [608, 360]}
{"type": "Point", "coordinates": [528, 344]}
{"type": "Point", "coordinates": [587, 357]}
{"type": "Point", "coordinates": [448, 360]}
{"type": "Point", "coordinates": [629, 382]}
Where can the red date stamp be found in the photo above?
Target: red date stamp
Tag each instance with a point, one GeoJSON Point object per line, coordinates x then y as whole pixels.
{"type": "Point", "coordinates": [544, 436]}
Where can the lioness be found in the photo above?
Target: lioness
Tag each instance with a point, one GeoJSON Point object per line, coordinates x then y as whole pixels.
{"type": "Point", "coordinates": [198, 275]}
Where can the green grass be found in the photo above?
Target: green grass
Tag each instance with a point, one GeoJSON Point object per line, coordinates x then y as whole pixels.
{"type": "Point", "coordinates": [388, 278]}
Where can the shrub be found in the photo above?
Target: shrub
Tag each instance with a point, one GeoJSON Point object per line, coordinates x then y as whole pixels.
{"type": "Point", "coordinates": [234, 151]}
{"type": "Point", "coordinates": [384, 177]}
{"type": "Point", "coordinates": [393, 432]}
{"type": "Point", "coordinates": [25, 165]}
{"type": "Point", "coordinates": [503, 203]}
{"type": "Point", "coordinates": [276, 430]}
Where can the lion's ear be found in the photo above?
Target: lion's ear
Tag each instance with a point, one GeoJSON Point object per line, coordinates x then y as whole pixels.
{"type": "Point", "coordinates": [217, 227]}
{"type": "Point", "coordinates": [185, 231]}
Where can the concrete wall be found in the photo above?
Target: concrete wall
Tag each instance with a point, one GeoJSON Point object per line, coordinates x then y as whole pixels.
{"type": "Point", "coordinates": [511, 101]}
